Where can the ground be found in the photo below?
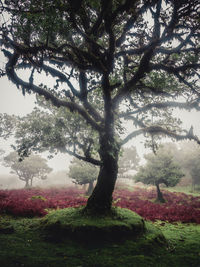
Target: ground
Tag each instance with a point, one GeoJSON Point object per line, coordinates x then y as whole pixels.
{"type": "Point", "coordinates": [23, 243]}
{"type": "Point", "coordinates": [29, 242]}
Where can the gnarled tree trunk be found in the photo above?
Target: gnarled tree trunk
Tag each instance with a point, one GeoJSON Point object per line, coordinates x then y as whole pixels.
{"type": "Point", "coordinates": [100, 200]}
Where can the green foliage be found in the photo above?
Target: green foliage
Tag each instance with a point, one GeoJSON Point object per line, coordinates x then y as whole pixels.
{"type": "Point", "coordinates": [187, 155]}
{"type": "Point", "coordinates": [54, 130]}
{"type": "Point", "coordinates": [31, 167]}
{"type": "Point", "coordinates": [39, 197]}
{"type": "Point", "coordinates": [160, 168]}
{"type": "Point", "coordinates": [83, 173]}
{"type": "Point", "coordinates": [7, 125]}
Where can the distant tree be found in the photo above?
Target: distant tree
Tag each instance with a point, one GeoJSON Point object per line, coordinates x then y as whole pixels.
{"type": "Point", "coordinates": [83, 173]}
{"type": "Point", "coordinates": [128, 161]}
{"type": "Point", "coordinates": [159, 169]}
{"type": "Point", "coordinates": [55, 130]}
{"type": "Point", "coordinates": [110, 61]}
{"type": "Point", "coordinates": [31, 167]}
{"type": "Point", "coordinates": [189, 157]}
{"type": "Point", "coordinates": [7, 125]}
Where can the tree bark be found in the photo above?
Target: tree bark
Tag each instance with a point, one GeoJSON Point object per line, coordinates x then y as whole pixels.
{"type": "Point", "coordinates": [160, 197]}
{"type": "Point", "coordinates": [90, 188]}
{"type": "Point", "coordinates": [100, 200]}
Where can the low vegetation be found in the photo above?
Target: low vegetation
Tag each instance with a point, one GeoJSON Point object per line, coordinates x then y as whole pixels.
{"type": "Point", "coordinates": [179, 207]}
{"type": "Point", "coordinates": [24, 242]}
{"type": "Point", "coordinates": [77, 223]}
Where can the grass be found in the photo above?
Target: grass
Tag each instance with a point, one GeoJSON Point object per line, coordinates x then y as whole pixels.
{"type": "Point", "coordinates": [25, 244]}
{"type": "Point", "coordinates": [184, 189]}
{"type": "Point", "coordinates": [74, 222]}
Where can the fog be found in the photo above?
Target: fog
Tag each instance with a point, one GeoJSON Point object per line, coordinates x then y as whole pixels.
{"type": "Point", "coordinates": [13, 102]}
{"type": "Point", "coordinates": [54, 179]}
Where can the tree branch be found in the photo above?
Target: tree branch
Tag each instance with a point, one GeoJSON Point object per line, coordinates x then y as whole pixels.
{"type": "Point", "coordinates": [87, 159]}
{"type": "Point", "coordinates": [188, 106]}
{"type": "Point", "coordinates": [73, 107]}
{"type": "Point", "coordinates": [142, 69]}
{"type": "Point", "coordinates": [159, 130]}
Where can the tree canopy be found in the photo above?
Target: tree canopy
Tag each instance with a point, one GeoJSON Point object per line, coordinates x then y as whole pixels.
{"type": "Point", "coordinates": [111, 61]}
{"type": "Point", "coordinates": [31, 167]}
{"type": "Point", "coordinates": [160, 169]}
{"type": "Point", "coordinates": [7, 124]}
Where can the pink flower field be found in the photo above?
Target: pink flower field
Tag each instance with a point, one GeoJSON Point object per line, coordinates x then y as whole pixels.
{"type": "Point", "coordinates": [179, 207]}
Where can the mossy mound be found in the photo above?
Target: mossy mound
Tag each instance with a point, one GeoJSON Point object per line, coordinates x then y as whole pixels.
{"type": "Point", "coordinates": [120, 224]}
{"type": "Point", "coordinates": [6, 227]}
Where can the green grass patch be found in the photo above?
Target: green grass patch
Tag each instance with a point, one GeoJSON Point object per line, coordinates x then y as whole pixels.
{"type": "Point", "coordinates": [184, 189]}
{"type": "Point", "coordinates": [27, 246]}
{"type": "Point", "coordinates": [119, 224]}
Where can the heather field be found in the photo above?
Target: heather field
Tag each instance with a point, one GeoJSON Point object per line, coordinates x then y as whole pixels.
{"type": "Point", "coordinates": [179, 207]}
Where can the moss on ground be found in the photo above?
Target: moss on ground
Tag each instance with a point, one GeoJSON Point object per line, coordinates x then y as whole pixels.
{"type": "Point", "coordinates": [119, 224]}
{"type": "Point", "coordinates": [26, 246]}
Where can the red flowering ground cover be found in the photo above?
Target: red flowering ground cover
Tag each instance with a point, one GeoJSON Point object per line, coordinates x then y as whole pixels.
{"type": "Point", "coordinates": [35, 202]}
{"type": "Point", "coordinates": [178, 207]}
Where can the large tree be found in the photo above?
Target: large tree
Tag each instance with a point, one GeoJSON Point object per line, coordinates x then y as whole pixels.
{"type": "Point", "coordinates": [32, 167]}
{"type": "Point", "coordinates": [160, 169]}
{"type": "Point", "coordinates": [112, 60]}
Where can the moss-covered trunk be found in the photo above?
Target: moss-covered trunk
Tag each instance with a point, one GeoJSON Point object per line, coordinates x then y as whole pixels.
{"type": "Point", "coordinates": [100, 200]}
